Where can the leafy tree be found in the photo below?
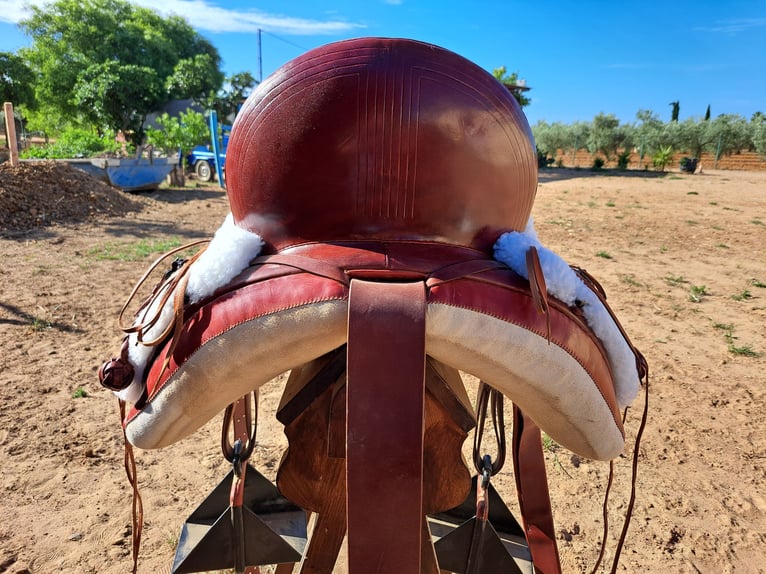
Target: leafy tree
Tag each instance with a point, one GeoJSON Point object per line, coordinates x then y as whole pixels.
{"type": "Point", "coordinates": [693, 136]}
{"type": "Point", "coordinates": [118, 96]}
{"type": "Point", "coordinates": [181, 133]}
{"type": "Point", "coordinates": [16, 79]}
{"type": "Point", "coordinates": [676, 108]}
{"type": "Point", "coordinates": [728, 133]}
{"type": "Point", "coordinates": [74, 41]}
{"type": "Point", "coordinates": [551, 137]}
{"type": "Point", "coordinates": [191, 78]}
{"type": "Point", "coordinates": [608, 136]}
{"type": "Point", "coordinates": [511, 81]}
{"type": "Point", "coordinates": [759, 137]}
{"type": "Point", "coordinates": [236, 88]}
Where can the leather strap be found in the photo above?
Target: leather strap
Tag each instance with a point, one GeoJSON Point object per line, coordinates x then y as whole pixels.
{"type": "Point", "coordinates": [534, 499]}
{"type": "Point", "coordinates": [384, 426]}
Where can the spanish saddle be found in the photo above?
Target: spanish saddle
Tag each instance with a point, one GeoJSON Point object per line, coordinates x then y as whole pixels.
{"type": "Point", "coordinates": [380, 241]}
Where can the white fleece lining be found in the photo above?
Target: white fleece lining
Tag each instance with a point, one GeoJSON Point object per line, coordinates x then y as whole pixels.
{"type": "Point", "coordinates": [565, 285]}
{"type": "Point", "coordinates": [228, 253]}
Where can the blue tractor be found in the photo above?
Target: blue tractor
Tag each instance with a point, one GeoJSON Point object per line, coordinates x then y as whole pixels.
{"type": "Point", "coordinates": [204, 161]}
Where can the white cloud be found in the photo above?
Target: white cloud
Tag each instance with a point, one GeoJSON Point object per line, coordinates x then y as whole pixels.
{"type": "Point", "coordinates": [205, 15]}
{"type": "Point", "coordinates": [733, 25]}
{"type": "Point", "coordinates": [13, 10]}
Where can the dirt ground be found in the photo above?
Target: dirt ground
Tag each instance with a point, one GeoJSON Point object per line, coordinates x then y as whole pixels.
{"type": "Point", "coordinates": [682, 258]}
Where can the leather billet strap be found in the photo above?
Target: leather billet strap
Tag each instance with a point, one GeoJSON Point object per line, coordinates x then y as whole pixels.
{"type": "Point", "coordinates": [534, 498]}
{"type": "Point", "coordinates": [384, 425]}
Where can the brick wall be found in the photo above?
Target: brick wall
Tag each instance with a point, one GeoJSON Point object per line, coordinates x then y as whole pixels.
{"type": "Point", "coordinates": [749, 161]}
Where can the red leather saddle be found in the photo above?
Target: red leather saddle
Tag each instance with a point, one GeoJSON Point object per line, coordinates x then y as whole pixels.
{"type": "Point", "coordinates": [380, 173]}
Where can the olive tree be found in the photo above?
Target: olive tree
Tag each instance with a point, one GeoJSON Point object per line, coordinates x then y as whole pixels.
{"type": "Point", "coordinates": [608, 136]}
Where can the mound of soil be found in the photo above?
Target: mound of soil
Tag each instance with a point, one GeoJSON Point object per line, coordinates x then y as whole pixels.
{"type": "Point", "coordinates": [37, 194]}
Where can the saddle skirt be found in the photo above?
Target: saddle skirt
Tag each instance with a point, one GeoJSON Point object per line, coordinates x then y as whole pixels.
{"type": "Point", "coordinates": [388, 160]}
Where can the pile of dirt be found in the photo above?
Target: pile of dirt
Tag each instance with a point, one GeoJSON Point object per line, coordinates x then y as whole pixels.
{"type": "Point", "coordinates": [34, 195]}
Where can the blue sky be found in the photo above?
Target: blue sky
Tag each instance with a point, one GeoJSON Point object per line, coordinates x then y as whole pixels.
{"type": "Point", "coordinates": [579, 58]}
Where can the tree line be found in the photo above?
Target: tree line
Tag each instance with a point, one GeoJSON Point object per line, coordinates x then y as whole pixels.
{"type": "Point", "coordinates": [651, 137]}
{"type": "Point", "coordinates": [104, 65]}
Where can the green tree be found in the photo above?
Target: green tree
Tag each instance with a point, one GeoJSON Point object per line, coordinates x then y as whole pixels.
{"type": "Point", "coordinates": [75, 40]}
{"type": "Point", "coordinates": [180, 135]}
{"type": "Point", "coordinates": [550, 138]}
{"type": "Point", "coordinates": [236, 89]}
{"type": "Point", "coordinates": [515, 85]}
{"type": "Point", "coordinates": [676, 108]}
{"type": "Point", "coordinates": [191, 78]}
{"type": "Point", "coordinates": [16, 81]}
{"type": "Point", "coordinates": [118, 96]}
{"type": "Point", "coordinates": [758, 133]}
{"type": "Point", "coordinates": [607, 135]}
{"type": "Point", "coordinates": [727, 134]}
{"type": "Point", "coordinates": [693, 136]}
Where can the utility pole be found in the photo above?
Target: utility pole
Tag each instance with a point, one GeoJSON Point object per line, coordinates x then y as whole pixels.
{"type": "Point", "coordinates": [260, 58]}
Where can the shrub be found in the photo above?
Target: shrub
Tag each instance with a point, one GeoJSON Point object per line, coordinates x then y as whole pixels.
{"type": "Point", "coordinates": [598, 164]}
{"type": "Point", "coordinates": [662, 157]}
{"type": "Point", "coordinates": [543, 160]}
{"type": "Point", "coordinates": [623, 159]}
{"type": "Point", "coordinates": [74, 143]}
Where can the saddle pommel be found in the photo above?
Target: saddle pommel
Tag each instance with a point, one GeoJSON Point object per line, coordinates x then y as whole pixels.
{"type": "Point", "coordinates": [381, 138]}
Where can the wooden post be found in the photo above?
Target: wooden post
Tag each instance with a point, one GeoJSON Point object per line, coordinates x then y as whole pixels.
{"type": "Point", "coordinates": [10, 133]}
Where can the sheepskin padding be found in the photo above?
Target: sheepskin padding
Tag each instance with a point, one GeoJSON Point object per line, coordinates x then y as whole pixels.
{"type": "Point", "coordinates": [228, 253]}
{"type": "Point", "coordinates": [564, 284]}
{"type": "Point", "coordinates": [548, 382]}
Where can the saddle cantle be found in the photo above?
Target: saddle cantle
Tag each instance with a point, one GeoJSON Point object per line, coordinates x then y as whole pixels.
{"type": "Point", "coordinates": [381, 139]}
{"type": "Point", "coordinates": [386, 160]}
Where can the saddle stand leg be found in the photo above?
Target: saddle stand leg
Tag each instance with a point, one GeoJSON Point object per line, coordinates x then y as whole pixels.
{"type": "Point", "coordinates": [384, 426]}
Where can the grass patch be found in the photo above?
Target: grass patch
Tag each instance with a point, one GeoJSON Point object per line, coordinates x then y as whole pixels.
{"type": "Point", "coordinates": [674, 280]}
{"type": "Point", "coordinates": [743, 295]}
{"type": "Point", "coordinates": [133, 251]}
{"type": "Point", "coordinates": [630, 279]}
{"type": "Point", "coordinates": [756, 283]}
{"type": "Point", "coordinates": [663, 248]}
{"type": "Point", "coordinates": [722, 246]}
{"type": "Point", "coordinates": [713, 202]}
{"type": "Point", "coordinates": [697, 292]}
{"type": "Point", "coordinates": [610, 203]}
{"type": "Point", "coordinates": [79, 393]}
{"type": "Point", "coordinates": [692, 193]}
{"type": "Point", "coordinates": [756, 222]}
{"type": "Point", "coordinates": [39, 324]}
{"type": "Point", "coordinates": [728, 334]}
{"type": "Point", "coordinates": [603, 255]}
{"type": "Point", "coordinates": [692, 222]}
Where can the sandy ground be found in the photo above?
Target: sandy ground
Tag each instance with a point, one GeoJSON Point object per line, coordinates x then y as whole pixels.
{"type": "Point", "coordinates": [682, 258]}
